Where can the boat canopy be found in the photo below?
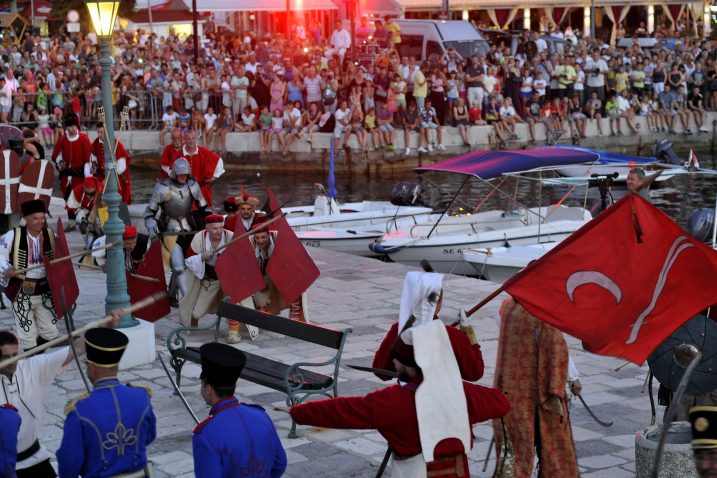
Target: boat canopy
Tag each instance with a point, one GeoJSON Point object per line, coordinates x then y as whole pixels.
{"type": "Point", "coordinates": [492, 164]}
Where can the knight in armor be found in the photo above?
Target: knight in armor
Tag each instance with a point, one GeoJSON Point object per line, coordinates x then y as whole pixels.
{"type": "Point", "coordinates": [70, 154]}
{"type": "Point", "coordinates": [29, 292]}
{"type": "Point", "coordinates": [216, 449]}
{"type": "Point", "coordinates": [135, 248]}
{"type": "Point", "coordinates": [18, 145]}
{"type": "Point", "coordinates": [83, 202]}
{"type": "Point", "coordinates": [176, 207]}
{"type": "Point", "coordinates": [107, 431]}
{"type": "Point", "coordinates": [204, 293]}
{"type": "Point", "coordinates": [96, 165]}
{"type": "Point", "coordinates": [426, 440]}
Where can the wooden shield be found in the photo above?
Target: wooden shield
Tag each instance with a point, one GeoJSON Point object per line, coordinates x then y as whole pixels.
{"type": "Point", "coordinates": [37, 182]}
{"type": "Point", "coordinates": [10, 172]}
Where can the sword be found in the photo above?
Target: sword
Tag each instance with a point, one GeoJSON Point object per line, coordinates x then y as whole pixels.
{"type": "Point", "coordinates": [378, 371]}
{"type": "Point", "coordinates": [70, 326]}
{"type": "Point", "coordinates": [176, 388]}
{"type": "Point", "coordinates": [590, 412]}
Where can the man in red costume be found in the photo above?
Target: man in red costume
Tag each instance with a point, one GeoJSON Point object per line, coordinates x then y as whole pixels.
{"type": "Point", "coordinates": [421, 302]}
{"type": "Point", "coordinates": [426, 440]}
{"type": "Point", "coordinates": [241, 207]}
{"type": "Point", "coordinates": [206, 165]}
{"type": "Point", "coordinates": [83, 204]}
{"type": "Point", "coordinates": [71, 153]}
{"type": "Point", "coordinates": [170, 153]}
{"type": "Point", "coordinates": [96, 165]}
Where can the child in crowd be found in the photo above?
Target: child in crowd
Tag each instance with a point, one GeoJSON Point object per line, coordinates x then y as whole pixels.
{"type": "Point", "coordinates": [265, 122]}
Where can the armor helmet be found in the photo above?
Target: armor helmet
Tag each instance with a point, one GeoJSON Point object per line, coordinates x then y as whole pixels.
{"type": "Point", "coordinates": [181, 166]}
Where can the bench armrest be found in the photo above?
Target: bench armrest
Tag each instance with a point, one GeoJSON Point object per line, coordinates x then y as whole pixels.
{"type": "Point", "coordinates": [294, 379]}
{"type": "Point", "coordinates": [176, 340]}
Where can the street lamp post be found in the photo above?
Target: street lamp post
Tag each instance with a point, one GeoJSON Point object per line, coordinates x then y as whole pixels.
{"type": "Point", "coordinates": [103, 14]}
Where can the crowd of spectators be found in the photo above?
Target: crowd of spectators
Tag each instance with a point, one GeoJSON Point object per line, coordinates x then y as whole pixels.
{"type": "Point", "coordinates": [291, 88]}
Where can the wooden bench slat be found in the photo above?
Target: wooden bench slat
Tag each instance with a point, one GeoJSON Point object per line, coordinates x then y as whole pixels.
{"type": "Point", "coordinates": [307, 332]}
{"type": "Point", "coordinates": [266, 372]}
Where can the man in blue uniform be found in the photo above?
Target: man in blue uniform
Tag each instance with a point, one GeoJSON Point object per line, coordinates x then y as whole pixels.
{"type": "Point", "coordinates": [236, 439]}
{"type": "Point", "coordinates": [107, 432]}
{"type": "Point", "coordinates": [9, 428]}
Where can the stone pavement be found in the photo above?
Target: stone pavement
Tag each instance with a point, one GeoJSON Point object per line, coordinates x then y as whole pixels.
{"type": "Point", "coordinates": [362, 294]}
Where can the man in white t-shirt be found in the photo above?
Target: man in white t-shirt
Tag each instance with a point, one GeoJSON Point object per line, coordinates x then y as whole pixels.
{"type": "Point", "coordinates": [595, 69]}
{"type": "Point", "coordinates": [169, 121]}
{"type": "Point", "coordinates": [340, 42]}
{"type": "Point", "coordinates": [343, 124]}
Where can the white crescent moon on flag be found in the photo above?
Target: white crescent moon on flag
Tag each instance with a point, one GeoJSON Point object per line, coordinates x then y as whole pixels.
{"type": "Point", "coordinates": [577, 279]}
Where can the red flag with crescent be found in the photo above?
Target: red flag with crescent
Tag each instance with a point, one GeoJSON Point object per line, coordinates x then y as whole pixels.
{"type": "Point", "coordinates": [622, 283]}
{"type": "Point", "coordinates": [237, 268]}
{"type": "Point", "coordinates": [140, 288]}
{"type": "Point", "coordinates": [290, 267]}
{"type": "Point", "coordinates": [61, 275]}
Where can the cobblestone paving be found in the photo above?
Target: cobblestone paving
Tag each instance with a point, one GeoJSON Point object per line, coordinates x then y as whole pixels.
{"type": "Point", "coordinates": [362, 294]}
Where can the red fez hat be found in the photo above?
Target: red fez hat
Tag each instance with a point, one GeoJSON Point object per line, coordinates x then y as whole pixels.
{"type": "Point", "coordinates": [91, 182]}
{"type": "Point", "coordinates": [247, 198]}
{"type": "Point", "coordinates": [129, 232]}
{"type": "Point", "coordinates": [214, 219]}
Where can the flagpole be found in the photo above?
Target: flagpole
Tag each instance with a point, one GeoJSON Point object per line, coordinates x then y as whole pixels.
{"type": "Point", "coordinates": [258, 228]}
{"type": "Point", "coordinates": [64, 258]}
{"type": "Point", "coordinates": [97, 323]}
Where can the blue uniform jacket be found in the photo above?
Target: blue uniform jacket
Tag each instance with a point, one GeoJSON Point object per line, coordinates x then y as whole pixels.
{"type": "Point", "coordinates": [106, 432]}
{"type": "Point", "coordinates": [237, 440]}
{"type": "Point", "coordinates": [9, 428]}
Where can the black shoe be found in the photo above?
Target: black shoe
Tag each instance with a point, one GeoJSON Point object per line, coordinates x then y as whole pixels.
{"type": "Point", "coordinates": [173, 302]}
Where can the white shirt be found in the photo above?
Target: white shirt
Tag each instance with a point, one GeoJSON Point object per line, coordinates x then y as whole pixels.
{"type": "Point", "coordinates": [341, 39]}
{"type": "Point", "coordinates": [6, 243]}
{"type": "Point", "coordinates": [623, 104]}
{"type": "Point", "coordinates": [593, 79]}
{"type": "Point", "coordinates": [27, 391]}
{"type": "Point", "coordinates": [210, 120]}
{"type": "Point", "coordinates": [342, 116]}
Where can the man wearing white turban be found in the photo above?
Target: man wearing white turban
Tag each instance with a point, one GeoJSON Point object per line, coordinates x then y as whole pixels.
{"type": "Point", "coordinates": [421, 301]}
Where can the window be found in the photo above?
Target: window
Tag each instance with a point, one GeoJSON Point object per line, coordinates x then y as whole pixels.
{"type": "Point", "coordinates": [411, 45]}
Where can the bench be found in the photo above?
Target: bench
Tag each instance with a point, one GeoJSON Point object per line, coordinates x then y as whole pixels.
{"type": "Point", "coordinates": [293, 379]}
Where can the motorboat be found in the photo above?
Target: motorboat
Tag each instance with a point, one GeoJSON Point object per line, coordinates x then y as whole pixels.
{"type": "Point", "coordinates": [348, 241]}
{"type": "Point", "coordinates": [444, 250]}
{"type": "Point", "coordinates": [498, 264]}
{"type": "Point", "coordinates": [327, 212]}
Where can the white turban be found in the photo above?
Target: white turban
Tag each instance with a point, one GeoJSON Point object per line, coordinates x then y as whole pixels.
{"type": "Point", "coordinates": [419, 297]}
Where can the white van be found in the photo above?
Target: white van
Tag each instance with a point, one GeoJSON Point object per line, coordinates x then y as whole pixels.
{"type": "Point", "coordinates": [425, 39]}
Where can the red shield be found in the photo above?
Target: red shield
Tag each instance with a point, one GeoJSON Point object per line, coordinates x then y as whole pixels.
{"type": "Point", "coordinates": [37, 182]}
{"type": "Point", "coordinates": [10, 172]}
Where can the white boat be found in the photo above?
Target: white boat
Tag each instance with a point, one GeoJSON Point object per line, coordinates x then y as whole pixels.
{"type": "Point", "coordinates": [444, 248]}
{"type": "Point", "coordinates": [328, 213]}
{"type": "Point", "coordinates": [348, 241]}
{"type": "Point", "coordinates": [357, 240]}
{"type": "Point", "coordinates": [498, 264]}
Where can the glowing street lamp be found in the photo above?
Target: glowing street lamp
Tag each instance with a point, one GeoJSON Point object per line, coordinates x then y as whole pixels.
{"type": "Point", "coordinates": [104, 14]}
